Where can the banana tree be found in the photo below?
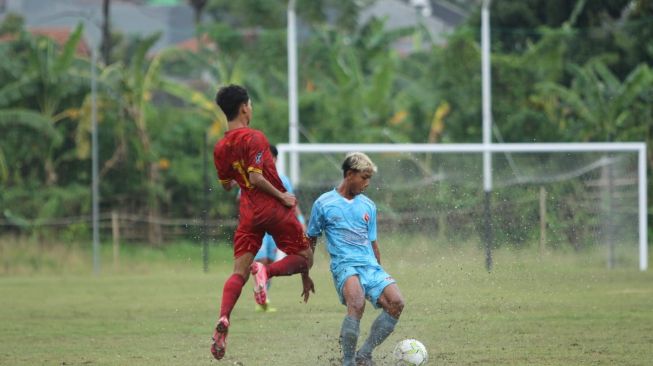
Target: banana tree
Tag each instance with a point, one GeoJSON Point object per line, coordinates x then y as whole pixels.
{"type": "Point", "coordinates": [46, 84]}
{"type": "Point", "coordinates": [597, 106]}
{"type": "Point", "coordinates": [354, 82]}
{"type": "Point", "coordinates": [135, 84]}
{"type": "Point", "coordinates": [127, 114]}
{"type": "Point", "coordinates": [11, 119]}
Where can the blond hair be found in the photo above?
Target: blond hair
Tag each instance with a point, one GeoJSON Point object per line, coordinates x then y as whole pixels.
{"type": "Point", "coordinates": [359, 162]}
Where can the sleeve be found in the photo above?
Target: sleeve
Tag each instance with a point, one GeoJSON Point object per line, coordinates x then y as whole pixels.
{"type": "Point", "coordinates": [371, 229]}
{"type": "Point", "coordinates": [220, 168]}
{"type": "Point", "coordinates": [316, 222]}
{"type": "Point", "coordinates": [258, 150]}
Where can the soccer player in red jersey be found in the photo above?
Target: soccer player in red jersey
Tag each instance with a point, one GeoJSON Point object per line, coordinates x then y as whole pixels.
{"type": "Point", "coordinates": [242, 157]}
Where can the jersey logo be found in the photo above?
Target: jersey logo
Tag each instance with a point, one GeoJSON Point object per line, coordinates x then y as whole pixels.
{"type": "Point", "coordinates": [258, 157]}
{"type": "Point", "coordinates": [366, 217]}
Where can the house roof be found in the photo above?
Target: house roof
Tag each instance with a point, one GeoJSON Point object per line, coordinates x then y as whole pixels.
{"type": "Point", "coordinates": [59, 35]}
{"type": "Point", "coordinates": [193, 44]}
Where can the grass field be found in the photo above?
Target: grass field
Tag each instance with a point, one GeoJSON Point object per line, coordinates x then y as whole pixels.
{"type": "Point", "coordinates": [158, 308]}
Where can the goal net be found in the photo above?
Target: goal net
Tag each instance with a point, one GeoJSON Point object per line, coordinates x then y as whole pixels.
{"type": "Point", "coordinates": [575, 197]}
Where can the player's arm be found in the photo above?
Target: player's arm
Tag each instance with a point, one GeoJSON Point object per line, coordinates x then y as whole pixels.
{"type": "Point", "coordinates": [259, 181]}
{"type": "Point", "coordinates": [377, 253]}
{"type": "Point", "coordinates": [312, 240]}
{"type": "Point", "coordinates": [315, 225]}
{"type": "Point", "coordinates": [228, 185]}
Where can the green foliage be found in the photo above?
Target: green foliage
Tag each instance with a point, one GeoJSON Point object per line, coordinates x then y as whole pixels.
{"type": "Point", "coordinates": [597, 106]}
{"type": "Point", "coordinates": [561, 71]}
{"type": "Point", "coordinates": [11, 23]}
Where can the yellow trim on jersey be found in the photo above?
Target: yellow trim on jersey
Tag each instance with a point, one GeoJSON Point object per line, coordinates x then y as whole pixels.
{"type": "Point", "coordinates": [225, 181]}
{"type": "Point", "coordinates": [255, 170]}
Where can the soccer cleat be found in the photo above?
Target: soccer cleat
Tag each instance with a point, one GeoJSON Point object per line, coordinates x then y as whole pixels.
{"type": "Point", "coordinates": [260, 274]}
{"type": "Point", "coordinates": [364, 361]}
{"type": "Point", "coordinates": [265, 308]}
{"type": "Point", "coordinates": [219, 345]}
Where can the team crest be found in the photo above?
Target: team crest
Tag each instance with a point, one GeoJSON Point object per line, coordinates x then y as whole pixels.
{"type": "Point", "coordinates": [258, 157]}
{"type": "Point", "coordinates": [366, 217]}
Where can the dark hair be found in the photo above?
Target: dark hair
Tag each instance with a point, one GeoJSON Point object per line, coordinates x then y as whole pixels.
{"type": "Point", "coordinates": [274, 151]}
{"type": "Point", "coordinates": [229, 98]}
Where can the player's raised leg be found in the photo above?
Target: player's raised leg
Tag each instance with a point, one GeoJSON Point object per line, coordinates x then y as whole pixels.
{"type": "Point", "coordinates": [288, 233]}
{"type": "Point", "coordinates": [260, 275]}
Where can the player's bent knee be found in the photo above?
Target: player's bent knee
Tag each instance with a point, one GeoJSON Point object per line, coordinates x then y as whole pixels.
{"type": "Point", "coordinates": [399, 305]}
{"type": "Point", "coordinates": [356, 308]}
{"type": "Point", "coordinates": [393, 305]}
{"type": "Point", "coordinates": [396, 307]}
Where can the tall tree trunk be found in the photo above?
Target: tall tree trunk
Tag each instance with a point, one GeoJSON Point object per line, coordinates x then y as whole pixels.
{"type": "Point", "coordinates": [198, 8]}
{"type": "Point", "coordinates": [154, 235]}
{"type": "Point", "coordinates": [106, 32]}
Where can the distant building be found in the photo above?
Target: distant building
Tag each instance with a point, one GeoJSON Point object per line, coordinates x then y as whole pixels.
{"type": "Point", "coordinates": [59, 35]}
{"type": "Point", "coordinates": [174, 18]}
{"type": "Point", "coordinates": [136, 17]}
{"type": "Point", "coordinates": [438, 17]}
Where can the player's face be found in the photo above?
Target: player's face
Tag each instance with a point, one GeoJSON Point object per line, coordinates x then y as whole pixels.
{"type": "Point", "coordinates": [358, 182]}
{"type": "Point", "coordinates": [247, 111]}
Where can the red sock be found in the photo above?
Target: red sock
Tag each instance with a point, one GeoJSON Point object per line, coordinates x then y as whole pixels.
{"type": "Point", "coordinates": [289, 265]}
{"type": "Point", "coordinates": [230, 293]}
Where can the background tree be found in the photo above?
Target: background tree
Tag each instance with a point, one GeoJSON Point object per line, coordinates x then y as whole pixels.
{"type": "Point", "coordinates": [198, 9]}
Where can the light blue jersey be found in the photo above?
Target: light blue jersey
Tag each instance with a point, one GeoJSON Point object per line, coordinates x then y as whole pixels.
{"type": "Point", "coordinates": [350, 228]}
{"type": "Point", "coordinates": [286, 183]}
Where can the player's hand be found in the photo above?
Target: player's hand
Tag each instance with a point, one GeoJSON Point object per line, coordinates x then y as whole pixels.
{"type": "Point", "coordinates": [288, 199]}
{"type": "Point", "coordinates": [308, 285]}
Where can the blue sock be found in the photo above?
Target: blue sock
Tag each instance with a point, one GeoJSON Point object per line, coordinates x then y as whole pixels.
{"type": "Point", "coordinates": [348, 338]}
{"type": "Point", "coordinates": [383, 325]}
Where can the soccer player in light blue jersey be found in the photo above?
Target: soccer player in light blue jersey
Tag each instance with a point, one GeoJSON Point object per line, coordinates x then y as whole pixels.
{"type": "Point", "coordinates": [348, 218]}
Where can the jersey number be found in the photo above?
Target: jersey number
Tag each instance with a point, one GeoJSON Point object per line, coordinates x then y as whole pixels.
{"type": "Point", "coordinates": [239, 168]}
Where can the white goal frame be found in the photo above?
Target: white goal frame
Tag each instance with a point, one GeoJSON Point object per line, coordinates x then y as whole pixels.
{"type": "Point", "coordinates": [638, 147]}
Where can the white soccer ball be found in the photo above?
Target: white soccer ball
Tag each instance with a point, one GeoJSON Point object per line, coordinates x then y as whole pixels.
{"type": "Point", "coordinates": [410, 352]}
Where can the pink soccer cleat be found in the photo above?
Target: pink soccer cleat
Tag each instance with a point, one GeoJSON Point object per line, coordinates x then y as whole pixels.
{"type": "Point", "coordinates": [260, 274]}
{"type": "Point", "coordinates": [219, 345]}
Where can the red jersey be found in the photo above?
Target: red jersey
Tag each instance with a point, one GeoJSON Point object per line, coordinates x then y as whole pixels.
{"type": "Point", "coordinates": [241, 151]}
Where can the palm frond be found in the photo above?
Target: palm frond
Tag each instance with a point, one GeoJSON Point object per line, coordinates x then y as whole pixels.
{"type": "Point", "coordinates": [31, 119]}
{"type": "Point", "coordinates": [67, 55]}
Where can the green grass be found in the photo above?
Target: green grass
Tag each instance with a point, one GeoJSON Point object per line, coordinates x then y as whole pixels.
{"type": "Point", "coordinates": [158, 308]}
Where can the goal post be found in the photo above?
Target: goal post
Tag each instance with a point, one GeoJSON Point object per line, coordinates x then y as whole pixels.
{"type": "Point", "coordinates": [509, 150]}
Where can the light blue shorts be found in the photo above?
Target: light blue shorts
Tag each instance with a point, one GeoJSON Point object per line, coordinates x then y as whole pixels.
{"type": "Point", "coordinates": [373, 280]}
{"type": "Point", "coordinates": [268, 249]}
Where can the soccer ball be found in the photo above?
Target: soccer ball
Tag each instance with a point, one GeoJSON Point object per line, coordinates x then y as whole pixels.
{"type": "Point", "coordinates": [410, 352]}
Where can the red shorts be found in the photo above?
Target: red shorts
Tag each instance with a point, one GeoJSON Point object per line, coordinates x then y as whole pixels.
{"type": "Point", "coordinates": [278, 221]}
